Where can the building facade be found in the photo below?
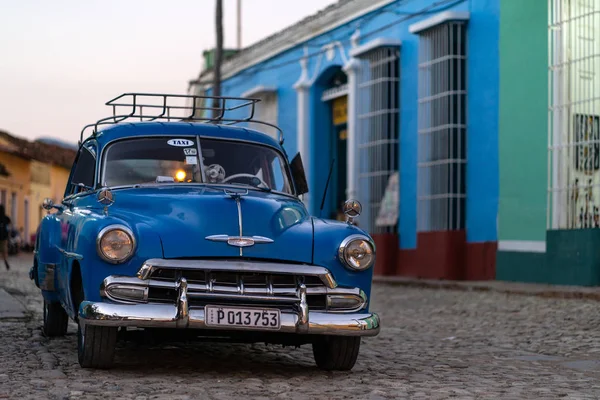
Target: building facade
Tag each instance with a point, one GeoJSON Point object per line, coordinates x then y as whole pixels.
{"type": "Point", "coordinates": [401, 97]}
{"type": "Point", "coordinates": [29, 173]}
{"type": "Point", "coordinates": [549, 142]}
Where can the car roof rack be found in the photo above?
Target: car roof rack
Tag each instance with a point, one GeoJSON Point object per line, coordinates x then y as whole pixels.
{"type": "Point", "coordinates": [132, 107]}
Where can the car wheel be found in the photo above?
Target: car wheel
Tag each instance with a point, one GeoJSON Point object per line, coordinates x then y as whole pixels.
{"type": "Point", "coordinates": [336, 353]}
{"type": "Point", "coordinates": [56, 320]}
{"type": "Point", "coordinates": [96, 346]}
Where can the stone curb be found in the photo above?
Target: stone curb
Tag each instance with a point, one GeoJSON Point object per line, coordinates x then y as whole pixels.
{"type": "Point", "coordinates": [525, 289]}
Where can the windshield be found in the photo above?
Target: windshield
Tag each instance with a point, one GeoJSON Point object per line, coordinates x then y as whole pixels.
{"type": "Point", "coordinates": [176, 160]}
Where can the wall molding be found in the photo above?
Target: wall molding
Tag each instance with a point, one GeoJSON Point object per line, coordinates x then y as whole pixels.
{"type": "Point", "coordinates": [373, 44]}
{"type": "Point", "coordinates": [259, 90]}
{"type": "Point", "coordinates": [438, 19]}
{"type": "Point", "coordinates": [303, 31]}
{"type": "Point", "coordinates": [522, 246]}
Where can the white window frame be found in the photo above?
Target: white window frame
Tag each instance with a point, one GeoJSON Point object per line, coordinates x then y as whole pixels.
{"type": "Point", "coordinates": [378, 133]}
{"type": "Point", "coordinates": [265, 110]}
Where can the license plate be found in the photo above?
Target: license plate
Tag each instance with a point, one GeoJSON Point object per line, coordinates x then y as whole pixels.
{"type": "Point", "coordinates": [261, 318]}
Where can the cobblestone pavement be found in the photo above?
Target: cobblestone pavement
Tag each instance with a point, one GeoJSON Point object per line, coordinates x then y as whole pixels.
{"type": "Point", "coordinates": [435, 344]}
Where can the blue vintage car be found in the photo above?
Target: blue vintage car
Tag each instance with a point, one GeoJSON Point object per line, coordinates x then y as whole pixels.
{"type": "Point", "coordinates": [194, 226]}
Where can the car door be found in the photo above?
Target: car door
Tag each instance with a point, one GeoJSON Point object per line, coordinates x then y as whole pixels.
{"type": "Point", "coordinates": [81, 183]}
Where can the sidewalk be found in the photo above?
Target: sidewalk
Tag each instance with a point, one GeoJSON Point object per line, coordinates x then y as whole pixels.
{"type": "Point", "coordinates": [10, 308]}
{"type": "Point", "coordinates": [527, 289]}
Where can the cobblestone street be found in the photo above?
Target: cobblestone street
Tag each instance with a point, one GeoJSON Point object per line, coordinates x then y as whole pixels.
{"type": "Point", "coordinates": [434, 344]}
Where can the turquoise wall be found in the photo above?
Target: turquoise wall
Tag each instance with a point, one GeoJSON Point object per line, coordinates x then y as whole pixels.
{"type": "Point", "coordinates": [523, 121]}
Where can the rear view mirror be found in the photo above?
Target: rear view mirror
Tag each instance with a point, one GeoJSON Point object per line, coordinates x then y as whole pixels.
{"type": "Point", "coordinates": [298, 175]}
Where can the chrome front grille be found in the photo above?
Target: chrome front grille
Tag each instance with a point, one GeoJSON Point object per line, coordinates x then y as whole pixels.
{"type": "Point", "coordinates": [204, 282]}
{"type": "Point", "coordinates": [256, 288]}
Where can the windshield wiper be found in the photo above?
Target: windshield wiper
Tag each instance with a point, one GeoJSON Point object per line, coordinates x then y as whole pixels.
{"type": "Point", "coordinates": [82, 185]}
{"type": "Point", "coordinates": [262, 189]}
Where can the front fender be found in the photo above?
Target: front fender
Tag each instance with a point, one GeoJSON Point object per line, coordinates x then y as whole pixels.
{"type": "Point", "coordinates": [328, 235]}
{"type": "Point", "coordinates": [47, 257]}
{"type": "Point", "coordinates": [94, 269]}
{"type": "Point", "coordinates": [48, 240]}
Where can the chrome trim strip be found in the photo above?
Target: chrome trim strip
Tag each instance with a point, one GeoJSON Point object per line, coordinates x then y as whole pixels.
{"type": "Point", "coordinates": [248, 292]}
{"type": "Point", "coordinates": [218, 238]}
{"type": "Point", "coordinates": [240, 284]}
{"type": "Point", "coordinates": [232, 296]}
{"type": "Point", "coordinates": [302, 326]}
{"type": "Point", "coordinates": [167, 316]}
{"type": "Point", "coordinates": [361, 299]}
{"type": "Point", "coordinates": [183, 317]}
{"type": "Point", "coordinates": [69, 254]}
{"type": "Point", "coordinates": [239, 210]}
{"type": "Point", "coordinates": [106, 291]}
{"type": "Point", "coordinates": [238, 266]}
{"type": "Point", "coordinates": [226, 238]}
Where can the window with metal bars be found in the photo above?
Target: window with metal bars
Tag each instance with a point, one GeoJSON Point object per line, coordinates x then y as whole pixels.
{"type": "Point", "coordinates": [442, 128]}
{"type": "Point", "coordinates": [266, 110]}
{"type": "Point", "coordinates": [574, 114]}
{"type": "Point", "coordinates": [377, 139]}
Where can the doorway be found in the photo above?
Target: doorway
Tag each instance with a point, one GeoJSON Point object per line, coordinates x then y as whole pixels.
{"type": "Point", "coordinates": [339, 136]}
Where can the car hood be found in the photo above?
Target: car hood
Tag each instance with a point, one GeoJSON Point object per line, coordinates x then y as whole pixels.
{"type": "Point", "coordinates": [184, 217]}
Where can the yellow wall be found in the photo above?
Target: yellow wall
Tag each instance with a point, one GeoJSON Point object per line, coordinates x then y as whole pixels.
{"type": "Point", "coordinates": [18, 182]}
{"type": "Point", "coordinates": [40, 188]}
{"type": "Point", "coordinates": [31, 180]}
{"type": "Point", "coordinates": [53, 187]}
{"type": "Point", "coordinates": [59, 177]}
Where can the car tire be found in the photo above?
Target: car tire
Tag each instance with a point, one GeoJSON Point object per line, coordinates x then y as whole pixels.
{"type": "Point", "coordinates": [96, 346]}
{"type": "Point", "coordinates": [56, 320]}
{"type": "Point", "coordinates": [336, 353]}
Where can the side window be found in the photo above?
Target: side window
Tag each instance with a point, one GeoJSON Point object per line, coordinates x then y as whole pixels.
{"type": "Point", "coordinates": [83, 175]}
{"type": "Point", "coordinates": [278, 175]}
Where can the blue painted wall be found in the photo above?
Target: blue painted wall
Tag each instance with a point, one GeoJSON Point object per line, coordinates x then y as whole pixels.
{"type": "Point", "coordinates": [284, 70]}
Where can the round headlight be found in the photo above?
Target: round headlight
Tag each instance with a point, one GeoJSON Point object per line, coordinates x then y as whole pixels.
{"type": "Point", "coordinates": [357, 252]}
{"type": "Point", "coordinates": [115, 244]}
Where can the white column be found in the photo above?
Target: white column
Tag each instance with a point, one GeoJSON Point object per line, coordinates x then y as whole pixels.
{"type": "Point", "coordinates": [352, 69]}
{"type": "Point", "coordinates": [302, 88]}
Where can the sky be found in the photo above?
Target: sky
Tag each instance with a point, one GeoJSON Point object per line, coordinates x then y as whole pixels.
{"type": "Point", "coordinates": [61, 60]}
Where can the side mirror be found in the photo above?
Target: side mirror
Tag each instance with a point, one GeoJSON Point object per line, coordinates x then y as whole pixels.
{"type": "Point", "coordinates": [298, 175]}
{"type": "Point", "coordinates": [48, 204]}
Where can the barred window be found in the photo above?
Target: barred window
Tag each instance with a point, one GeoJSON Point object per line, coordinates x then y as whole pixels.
{"type": "Point", "coordinates": [266, 111]}
{"type": "Point", "coordinates": [574, 114]}
{"type": "Point", "coordinates": [442, 128]}
{"type": "Point", "coordinates": [377, 139]}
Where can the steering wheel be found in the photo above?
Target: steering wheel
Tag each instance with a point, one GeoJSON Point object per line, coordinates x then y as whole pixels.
{"type": "Point", "coordinates": [215, 173]}
{"type": "Point", "coordinates": [243, 175]}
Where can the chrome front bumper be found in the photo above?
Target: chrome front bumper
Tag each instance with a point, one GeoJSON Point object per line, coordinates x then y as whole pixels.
{"type": "Point", "coordinates": [171, 316]}
{"type": "Point", "coordinates": [184, 313]}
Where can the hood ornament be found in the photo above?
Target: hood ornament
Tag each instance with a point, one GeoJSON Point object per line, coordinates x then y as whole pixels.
{"type": "Point", "coordinates": [106, 198]}
{"type": "Point", "coordinates": [351, 209]}
{"type": "Point", "coordinates": [240, 241]}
